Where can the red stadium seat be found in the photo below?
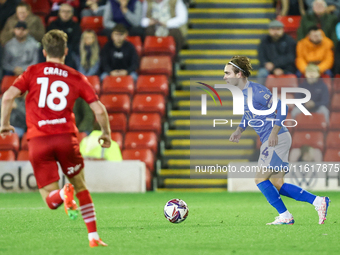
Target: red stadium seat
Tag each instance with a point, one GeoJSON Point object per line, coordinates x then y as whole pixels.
{"type": "Point", "coordinates": [116, 103]}
{"type": "Point", "coordinates": [286, 80]}
{"type": "Point", "coordinates": [332, 155]}
{"type": "Point", "coordinates": [153, 84]}
{"type": "Point", "coordinates": [23, 143]}
{"type": "Point", "coordinates": [119, 84]}
{"type": "Point", "coordinates": [154, 45]}
{"type": "Point", "coordinates": [291, 24]}
{"type": "Point", "coordinates": [335, 105]}
{"type": "Point", "coordinates": [314, 122]}
{"type": "Point", "coordinates": [118, 138]}
{"type": "Point", "coordinates": [102, 40]}
{"type": "Point", "coordinates": [312, 138]}
{"type": "Point", "coordinates": [137, 42]}
{"type": "Point", "coordinates": [334, 122]}
{"type": "Point", "coordinates": [23, 155]}
{"type": "Point", "coordinates": [7, 81]}
{"type": "Point", "coordinates": [95, 82]}
{"type": "Point", "coordinates": [141, 140]}
{"type": "Point", "coordinates": [333, 140]}
{"type": "Point", "coordinates": [94, 23]}
{"type": "Point", "coordinates": [118, 122]}
{"type": "Point", "coordinates": [40, 7]}
{"type": "Point", "coordinates": [144, 155]}
{"type": "Point", "coordinates": [145, 122]}
{"type": "Point", "coordinates": [336, 87]}
{"type": "Point", "coordinates": [81, 136]}
{"type": "Point", "coordinates": [149, 103]}
{"type": "Point", "coordinates": [156, 65]}
{"type": "Point", "coordinates": [7, 155]}
{"type": "Point", "coordinates": [53, 18]}
{"type": "Point", "coordinates": [10, 142]}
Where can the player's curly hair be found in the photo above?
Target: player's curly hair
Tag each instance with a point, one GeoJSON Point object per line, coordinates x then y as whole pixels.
{"type": "Point", "coordinates": [54, 43]}
{"type": "Point", "coordinates": [243, 63]}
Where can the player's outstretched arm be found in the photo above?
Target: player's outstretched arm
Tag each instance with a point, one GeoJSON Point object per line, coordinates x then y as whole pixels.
{"type": "Point", "coordinates": [235, 137]}
{"type": "Point", "coordinates": [100, 112]}
{"type": "Point", "coordinates": [6, 109]}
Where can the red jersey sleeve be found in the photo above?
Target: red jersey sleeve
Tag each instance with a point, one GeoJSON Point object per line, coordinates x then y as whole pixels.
{"type": "Point", "coordinates": [22, 82]}
{"type": "Point", "coordinates": [86, 91]}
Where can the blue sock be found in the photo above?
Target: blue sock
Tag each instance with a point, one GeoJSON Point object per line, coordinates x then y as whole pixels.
{"type": "Point", "coordinates": [272, 195]}
{"type": "Point", "coordinates": [299, 194]}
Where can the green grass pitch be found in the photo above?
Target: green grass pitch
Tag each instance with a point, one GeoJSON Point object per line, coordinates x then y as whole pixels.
{"type": "Point", "coordinates": [218, 223]}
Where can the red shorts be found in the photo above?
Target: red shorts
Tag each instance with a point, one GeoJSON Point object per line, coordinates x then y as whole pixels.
{"type": "Point", "coordinates": [46, 151]}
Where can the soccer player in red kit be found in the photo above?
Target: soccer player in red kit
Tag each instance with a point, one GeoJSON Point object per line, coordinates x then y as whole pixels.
{"type": "Point", "coordinates": [51, 130]}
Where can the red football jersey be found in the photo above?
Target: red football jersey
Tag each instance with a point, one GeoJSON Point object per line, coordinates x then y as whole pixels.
{"type": "Point", "coordinates": [52, 90]}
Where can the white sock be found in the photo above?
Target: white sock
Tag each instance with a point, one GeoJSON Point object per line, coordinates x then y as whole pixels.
{"type": "Point", "coordinates": [317, 201]}
{"type": "Point", "coordinates": [93, 235]}
{"type": "Point", "coordinates": [61, 194]}
{"type": "Point", "coordinates": [286, 215]}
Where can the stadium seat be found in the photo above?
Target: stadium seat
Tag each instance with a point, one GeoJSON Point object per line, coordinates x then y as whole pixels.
{"type": "Point", "coordinates": [141, 140]}
{"type": "Point", "coordinates": [92, 23]}
{"type": "Point", "coordinates": [118, 138]}
{"type": "Point", "coordinates": [23, 155]}
{"type": "Point", "coordinates": [144, 155]}
{"type": "Point", "coordinates": [156, 65]}
{"type": "Point", "coordinates": [7, 155]}
{"type": "Point", "coordinates": [10, 142]}
{"type": "Point", "coordinates": [53, 18]}
{"type": "Point", "coordinates": [334, 122]}
{"type": "Point", "coordinates": [119, 84]}
{"type": "Point", "coordinates": [336, 86]}
{"type": "Point", "coordinates": [328, 81]}
{"type": "Point", "coordinates": [332, 155]}
{"type": "Point", "coordinates": [95, 82]}
{"type": "Point", "coordinates": [333, 140]}
{"type": "Point", "coordinates": [6, 82]}
{"type": "Point", "coordinates": [81, 136]}
{"type": "Point", "coordinates": [291, 24]}
{"type": "Point", "coordinates": [335, 105]}
{"type": "Point", "coordinates": [137, 42]}
{"type": "Point", "coordinates": [154, 45]}
{"type": "Point", "coordinates": [118, 122]}
{"type": "Point", "coordinates": [153, 84]}
{"type": "Point", "coordinates": [40, 7]}
{"type": "Point", "coordinates": [286, 80]}
{"type": "Point", "coordinates": [310, 138]}
{"type": "Point", "coordinates": [149, 103]}
{"type": "Point", "coordinates": [314, 122]}
{"type": "Point", "coordinates": [116, 103]}
{"type": "Point", "coordinates": [23, 143]}
{"type": "Point", "coordinates": [288, 96]}
{"type": "Point", "coordinates": [145, 122]}
{"type": "Point", "coordinates": [102, 40]}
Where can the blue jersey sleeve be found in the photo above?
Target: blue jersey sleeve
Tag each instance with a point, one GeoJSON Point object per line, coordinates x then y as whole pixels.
{"type": "Point", "coordinates": [263, 97]}
{"type": "Point", "coordinates": [244, 123]}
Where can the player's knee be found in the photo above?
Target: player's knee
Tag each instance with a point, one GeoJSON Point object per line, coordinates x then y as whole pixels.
{"type": "Point", "coordinates": [277, 184]}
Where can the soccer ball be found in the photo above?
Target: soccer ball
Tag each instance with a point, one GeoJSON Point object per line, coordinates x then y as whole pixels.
{"type": "Point", "coordinates": [176, 210]}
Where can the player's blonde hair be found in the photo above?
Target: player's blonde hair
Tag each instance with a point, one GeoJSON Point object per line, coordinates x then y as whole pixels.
{"type": "Point", "coordinates": [54, 43]}
{"type": "Point", "coordinates": [94, 50]}
{"type": "Point", "coordinates": [241, 64]}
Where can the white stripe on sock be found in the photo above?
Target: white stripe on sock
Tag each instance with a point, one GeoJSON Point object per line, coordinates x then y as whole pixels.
{"type": "Point", "coordinates": [89, 220]}
{"type": "Point", "coordinates": [87, 210]}
{"type": "Point", "coordinates": [86, 206]}
{"type": "Point", "coordinates": [88, 215]}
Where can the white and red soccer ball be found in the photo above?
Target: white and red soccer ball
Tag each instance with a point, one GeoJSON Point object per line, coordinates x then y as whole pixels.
{"type": "Point", "coordinates": [176, 210]}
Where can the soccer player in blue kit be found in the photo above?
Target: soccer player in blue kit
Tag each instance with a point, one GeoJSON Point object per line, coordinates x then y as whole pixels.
{"type": "Point", "coordinates": [276, 141]}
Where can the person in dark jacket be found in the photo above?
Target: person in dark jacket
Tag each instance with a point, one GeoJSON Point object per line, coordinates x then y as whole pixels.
{"type": "Point", "coordinates": [119, 57]}
{"type": "Point", "coordinates": [276, 53]}
{"type": "Point", "coordinates": [319, 93]}
{"type": "Point", "coordinates": [72, 29]}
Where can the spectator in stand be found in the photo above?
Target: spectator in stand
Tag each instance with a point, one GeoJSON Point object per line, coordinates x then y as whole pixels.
{"type": "Point", "coordinates": [316, 49]}
{"type": "Point", "coordinates": [293, 7]}
{"type": "Point", "coordinates": [319, 93]}
{"type": "Point", "coordinates": [305, 154]}
{"type": "Point", "coordinates": [20, 52]}
{"type": "Point", "coordinates": [23, 13]}
{"type": "Point", "coordinates": [119, 57]}
{"type": "Point", "coordinates": [7, 9]}
{"type": "Point", "coordinates": [94, 9]}
{"type": "Point", "coordinates": [73, 31]}
{"type": "Point", "coordinates": [276, 52]}
{"type": "Point", "coordinates": [126, 12]}
{"type": "Point", "coordinates": [163, 18]}
{"type": "Point", "coordinates": [56, 4]}
{"type": "Point", "coordinates": [84, 116]}
{"type": "Point", "coordinates": [333, 6]}
{"type": "Point", "coordinates": [320, 18]}
{"type": "Point", "coordinates": [88, 63]}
